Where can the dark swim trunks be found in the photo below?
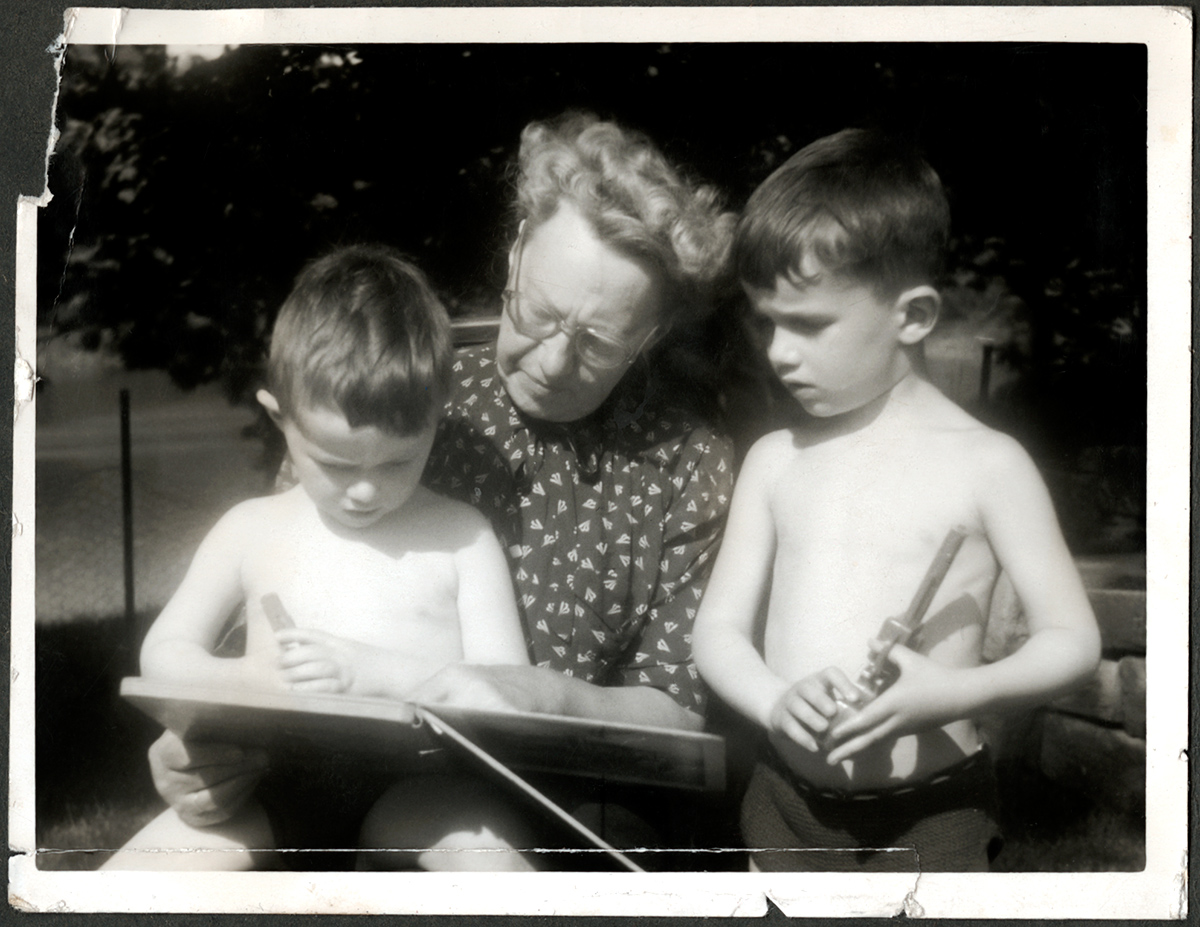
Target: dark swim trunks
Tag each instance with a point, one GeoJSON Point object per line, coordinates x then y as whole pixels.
{"type": "Point", "coordinates": [316, 806]}
{"type": "Point", "coordinates": [946, 823]}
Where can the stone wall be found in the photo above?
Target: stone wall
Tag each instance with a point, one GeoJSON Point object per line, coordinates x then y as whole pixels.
{"type": "Point", "coordinates": [1094, 739]}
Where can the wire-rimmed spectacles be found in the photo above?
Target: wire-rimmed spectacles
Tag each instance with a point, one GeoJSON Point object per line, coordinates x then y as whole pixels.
{"type": "Point", "coordinates": [594, 346]}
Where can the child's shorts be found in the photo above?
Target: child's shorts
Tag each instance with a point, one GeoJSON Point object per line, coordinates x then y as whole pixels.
{"type": "Point", "coordinates": [317, 806]}
{"type": "Point", "coordinates": [944, 824]}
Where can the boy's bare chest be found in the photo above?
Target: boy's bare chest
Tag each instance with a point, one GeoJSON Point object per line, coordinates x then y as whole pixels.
{"type": "Point", "coordinates": [855, 534]}
{"type": "Point", "coordinates": [864, 497]}
{"type": "Point", "coordinates": [355, 590]}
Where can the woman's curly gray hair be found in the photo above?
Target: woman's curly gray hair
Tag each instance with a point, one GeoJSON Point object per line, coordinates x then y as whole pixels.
{"type": "Point", "coordinates": [634, 199]}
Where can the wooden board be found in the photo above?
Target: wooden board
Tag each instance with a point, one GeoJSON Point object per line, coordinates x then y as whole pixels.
{"type": "Point", "coordinates": [549, 743]}
{"type": "Point", "coordinates": [1099, 699]}
{"type": "Point", "coordinates": [1115, 695]}
{"type": "Point", "coordinates": [1132, 673]}
{"type": "Point", "coordinates": [1121, 615]}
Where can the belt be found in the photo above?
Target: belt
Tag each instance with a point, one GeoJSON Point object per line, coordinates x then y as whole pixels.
{"type": "Point", "coordinates": [949, 774]}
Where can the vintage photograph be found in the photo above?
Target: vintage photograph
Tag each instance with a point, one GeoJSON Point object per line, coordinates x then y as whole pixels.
{"type": "Point", "coordinates": [594, 458]}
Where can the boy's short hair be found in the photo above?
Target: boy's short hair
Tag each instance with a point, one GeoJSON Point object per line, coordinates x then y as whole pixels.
{"type": "Point", "coordinates": [862, 204]}
{"type": "Point", "coordinates": [362, 332]}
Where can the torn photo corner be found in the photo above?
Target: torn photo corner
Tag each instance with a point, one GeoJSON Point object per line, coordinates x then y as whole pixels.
{"type": "Point", "coordinates": [197, 160]}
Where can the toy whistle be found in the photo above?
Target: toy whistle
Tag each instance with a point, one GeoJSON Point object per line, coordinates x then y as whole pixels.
{"type": "Point", "coordinates": [879, 672]}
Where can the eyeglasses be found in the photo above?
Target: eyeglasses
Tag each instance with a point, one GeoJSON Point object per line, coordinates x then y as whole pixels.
{"type": "Point", "coordinates": [594, 346]}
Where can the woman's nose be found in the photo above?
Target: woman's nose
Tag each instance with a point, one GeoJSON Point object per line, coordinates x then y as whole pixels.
{"type": "Point", "coordinates": [557, 356]}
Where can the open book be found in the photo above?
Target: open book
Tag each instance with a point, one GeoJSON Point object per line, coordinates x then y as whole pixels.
{"type": "Point", "coordinates": [398, 730]}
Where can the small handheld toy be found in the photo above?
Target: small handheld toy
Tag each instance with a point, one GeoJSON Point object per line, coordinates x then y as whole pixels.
{"type": "Point", "coordinates": [277, 615]}
{"type": "Point", "coordinates": [879, 673]}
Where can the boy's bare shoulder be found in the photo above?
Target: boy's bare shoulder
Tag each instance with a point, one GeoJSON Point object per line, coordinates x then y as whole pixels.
{"type": "Point", "coordinates": [940, 414]}
{"type": "Point", "coordinates": [437, 511]}
{"type": "Point", "coordinates": [247, 525]}
{"type": "Point", "coordinates": [258, 513]}
{"type": "Point", "coordinates": [770, 444]}
{"type": "Point", "coordinates": [772, 452]}
{"type": "Point", "coordinates": [998, 456]}
{"type": "Point", "coordinates": [990, 456]}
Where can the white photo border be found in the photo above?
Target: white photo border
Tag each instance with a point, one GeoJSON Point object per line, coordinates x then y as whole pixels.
{"type": "Point", "coordinates": [1160, 891]}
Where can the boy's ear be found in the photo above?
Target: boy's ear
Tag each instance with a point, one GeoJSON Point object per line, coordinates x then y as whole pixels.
{"type": "Point", "coordinates": [271, 404]}
{"type": "Point", "coordinates": [919, 308]}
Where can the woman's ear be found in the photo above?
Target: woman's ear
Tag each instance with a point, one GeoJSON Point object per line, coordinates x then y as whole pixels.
{"type": "Point", "coordinates": [919, 308]}
{"type": "Point", "coordinates": [271, 404]}
{"type": "Point", "coordinates": [515, 247]}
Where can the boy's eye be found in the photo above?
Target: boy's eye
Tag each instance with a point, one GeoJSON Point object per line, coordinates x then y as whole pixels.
{"type": "Point", "coordinates": [807, 326]}
{"type": "Point", "coordinates": [762, 329]}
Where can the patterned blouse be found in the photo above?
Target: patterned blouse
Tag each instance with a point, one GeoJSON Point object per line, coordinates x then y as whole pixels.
{"type": "Point", "coordinates": [610, 523]}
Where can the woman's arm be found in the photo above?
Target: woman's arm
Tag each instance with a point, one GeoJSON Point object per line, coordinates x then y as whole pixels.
{"type": "Point", "coordinates": [540, 689]}
{"type": "Point", "coordinates": [694, 480]}
{"type": "Point", "coordinates": [487, 604]}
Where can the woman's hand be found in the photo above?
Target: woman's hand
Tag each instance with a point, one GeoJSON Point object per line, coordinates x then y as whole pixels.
{"type": "Point", "coordinates": [489, 688]}
{"type": "Point", "coordinates": [804, 711]}
{"type": "Point", "coordinates": [204, 783]}
{"type": "Point", "coordinates": [927, 695]}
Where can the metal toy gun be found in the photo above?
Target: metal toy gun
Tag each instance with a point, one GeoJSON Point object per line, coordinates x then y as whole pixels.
{"type": "Point", "coordinates": [879, 672]}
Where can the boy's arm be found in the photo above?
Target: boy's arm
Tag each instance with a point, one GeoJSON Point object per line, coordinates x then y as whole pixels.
{"type": "Point", "coordinates": [1064, 643]}
{"type": "Point", "coordinates": [1063, 649]}
{"type": "Point", "coordinates": [180, 642]}
{"type": "Point", "coordinates": [487, 604]}
{"type": "Point", "coordinates": [723, 640]}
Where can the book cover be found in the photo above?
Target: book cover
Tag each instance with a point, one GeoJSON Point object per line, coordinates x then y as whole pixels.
{"type": "Point", "coordinates": [297, 721]}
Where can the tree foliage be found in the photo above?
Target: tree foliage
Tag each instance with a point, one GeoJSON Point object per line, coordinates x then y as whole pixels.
{"type": "Point", "coordinates": [188, 193]}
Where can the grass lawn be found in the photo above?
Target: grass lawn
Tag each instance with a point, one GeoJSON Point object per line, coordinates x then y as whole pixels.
{"type": "Point", "coordinates": [93, 782]}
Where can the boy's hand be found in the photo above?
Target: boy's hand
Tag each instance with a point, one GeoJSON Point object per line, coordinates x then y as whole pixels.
{"type": "Point", "coordinates": [313, 661]}
{"type": "Point", "coordinates": [260, 670]}
{"type": "Point", "coordinates": [807, 706]}
{"type": "Point", "coordinates": [927, 695]}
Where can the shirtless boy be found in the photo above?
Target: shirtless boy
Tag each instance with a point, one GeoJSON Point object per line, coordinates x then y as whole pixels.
{"type": "Point", "coordinates": [386, 582]}
{"type": "Point", "coordinates": [834, 523]}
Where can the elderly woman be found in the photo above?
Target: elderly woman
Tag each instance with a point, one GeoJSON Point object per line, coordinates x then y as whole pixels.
{"type": "Point", "coordinates": [609, 498]}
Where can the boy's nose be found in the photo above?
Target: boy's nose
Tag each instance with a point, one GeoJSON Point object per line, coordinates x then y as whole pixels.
{"type": "Point", "coordinates": [362, 492]}
{"type": "Point", "coordinates": [781, 352]}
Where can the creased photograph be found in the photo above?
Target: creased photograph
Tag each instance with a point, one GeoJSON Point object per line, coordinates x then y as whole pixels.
{"type": "Point", "coordinates": [651, 461]}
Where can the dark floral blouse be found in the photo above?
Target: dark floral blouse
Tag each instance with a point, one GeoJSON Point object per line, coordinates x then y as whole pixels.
{"type": "Point", "coordinates": [610, 524]}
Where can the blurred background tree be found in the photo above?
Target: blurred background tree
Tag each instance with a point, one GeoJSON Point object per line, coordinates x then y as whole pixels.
{"type": "Point", "coordinates": [191, 184]}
